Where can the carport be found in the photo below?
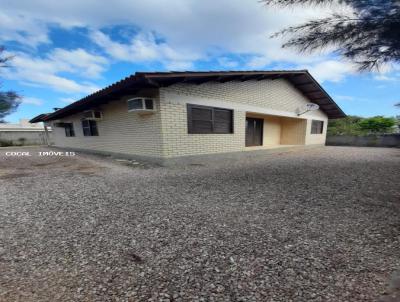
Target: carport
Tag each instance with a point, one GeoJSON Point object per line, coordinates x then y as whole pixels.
{"type": "Point", "coordinates": [268, 131]}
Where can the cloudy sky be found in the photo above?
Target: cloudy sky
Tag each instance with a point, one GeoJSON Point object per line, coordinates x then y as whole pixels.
{"type": "Point", "coordinates": [64, 50]}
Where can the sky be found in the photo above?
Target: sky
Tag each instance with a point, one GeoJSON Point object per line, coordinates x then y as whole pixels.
{"type": "Point", "coordinates": [64, 50]}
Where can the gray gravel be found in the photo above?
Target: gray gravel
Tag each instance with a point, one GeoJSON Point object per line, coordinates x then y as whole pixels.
{"type": "Point", "coordinates": [310, 225]}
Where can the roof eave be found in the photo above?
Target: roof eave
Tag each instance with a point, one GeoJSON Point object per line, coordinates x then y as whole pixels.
{"type": "Point", "coordinates": [142, 80]}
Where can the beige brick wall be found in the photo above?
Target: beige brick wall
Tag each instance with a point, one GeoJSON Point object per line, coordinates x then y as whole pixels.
{"type": "Point", "coordinates": [177, 141]}
{"type": "Point", "coordinates": [120, 131]}
{"type": "Point", "coordinates": [164, 133]}
{"type": "Point", "coordinates": [272, 97]}
{"type": "Point", "coordinates": [316, 139]}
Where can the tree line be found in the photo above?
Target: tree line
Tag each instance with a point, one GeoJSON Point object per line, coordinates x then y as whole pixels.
{"type": "Point", "coordinates": [356, 125]}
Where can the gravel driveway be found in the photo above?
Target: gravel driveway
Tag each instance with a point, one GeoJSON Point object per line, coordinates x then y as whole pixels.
{"type": "Point", "coordinates": [309, 225]}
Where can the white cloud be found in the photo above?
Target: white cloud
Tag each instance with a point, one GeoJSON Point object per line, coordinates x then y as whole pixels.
{"type": "Point", "coordinates": [189, 29]}
{"type": "Point", "coordinates": [45, 72]}
{"type": "Point", "coordinates": [79, 61]}
{"type": "Point", "coordinates": [387, 73]}
{"type": "Point", "coordinates": [23, 29]}
{"type": "Point", "coordinates": [330, 70]}
{"type": "Point", "coordinates": [144, 48]}
{"type": "Point", "coordinates": [32, 101]}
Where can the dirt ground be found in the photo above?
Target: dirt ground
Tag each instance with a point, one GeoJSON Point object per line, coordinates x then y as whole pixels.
{"type": "Point", "coordinates": [320, 224]}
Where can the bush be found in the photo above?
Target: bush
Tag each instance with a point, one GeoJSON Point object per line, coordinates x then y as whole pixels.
{"type": "Point", "coordinates": [377, 124]}
{"type": "Point", "coordinates": [355, 125]}
{"type": "Point", "coordinates": [6, 143]}
{"type": "Point", "coordinates": [348, 125]}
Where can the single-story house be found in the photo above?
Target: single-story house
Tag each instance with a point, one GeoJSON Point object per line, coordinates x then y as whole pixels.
{"type": "Point", "coordinates": [162, 115]}
{"type": "Point", "coordinates": [24, 133]}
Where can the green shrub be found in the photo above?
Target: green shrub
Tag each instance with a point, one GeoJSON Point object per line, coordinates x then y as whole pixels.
{"type": "Point", "coordinates": [377, 124]}
{"type": "Point", "coordinates": [6, 143]}
{"type": "Point", "coordinates": [355, 125]}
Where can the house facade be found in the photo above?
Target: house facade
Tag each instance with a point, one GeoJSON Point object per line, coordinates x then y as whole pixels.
{"type": "Point", "coordinates": [193, 113]}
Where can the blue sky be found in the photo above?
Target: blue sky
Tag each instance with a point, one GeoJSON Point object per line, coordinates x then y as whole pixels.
{"type": "Point", "coordinates": [64, 51]}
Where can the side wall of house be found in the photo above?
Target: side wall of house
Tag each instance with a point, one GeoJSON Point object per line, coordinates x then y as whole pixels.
{"type": "Point", "coordinates": [165, 133]}
{"type": "Point", "coordinates": [316, 139]}
{"type": "Point", "coordinates": [120, 131]}
{"type": "Point", "coordinates": [277, 98]}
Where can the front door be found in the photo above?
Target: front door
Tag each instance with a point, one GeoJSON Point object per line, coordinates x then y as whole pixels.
{"type": "Point", "coordinates": [254, 131]}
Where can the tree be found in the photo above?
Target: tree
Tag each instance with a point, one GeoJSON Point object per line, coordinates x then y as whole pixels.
{"type": "Point", "coordinates": [355, 125]}
{"type": "Point", "coordinates": [377, 124]}
{"type": "Point", "coordinates": [9, 100]}
{"type": "Point", "coordinates": [369, 37]}
{"type": "Point", "coordinates": [348, 125]}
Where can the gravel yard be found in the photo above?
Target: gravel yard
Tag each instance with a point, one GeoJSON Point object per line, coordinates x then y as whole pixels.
{"type": "Point", "coordinates": [320, 224]}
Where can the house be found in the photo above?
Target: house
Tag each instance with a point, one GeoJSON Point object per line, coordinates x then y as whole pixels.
{"type": "Point", "coordinates": [24, 133]}
{"type": "Point", "coordinates": [162, 115]}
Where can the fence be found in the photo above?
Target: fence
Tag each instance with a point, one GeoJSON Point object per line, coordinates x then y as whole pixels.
{"type": "Point", "coordinates": [24, 138]}
{"type": "Point", "coordinates": [378, 140]}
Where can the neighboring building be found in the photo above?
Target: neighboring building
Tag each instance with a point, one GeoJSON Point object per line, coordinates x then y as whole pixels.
{"type": "Point", "coordinates": [163, 115]}
{"type": "Point", "coordinates": [24, 133]}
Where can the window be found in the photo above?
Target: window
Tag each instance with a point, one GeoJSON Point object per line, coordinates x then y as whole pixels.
{"type": "Point", "coordinates": [207, 120]}
{"type": "Point", "coordinates": [136, 104]}
{"type": "Point", "coordinates": [69, 129]}
{"type": "Point", "coordinates": [89, 128]}
{"type": "Point", "coordinates": [149, 104]}
{"type": "Point", "coordinates": [317, 127]}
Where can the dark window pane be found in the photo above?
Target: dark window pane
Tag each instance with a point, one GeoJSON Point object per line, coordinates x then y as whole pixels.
{"type": "Point", "coordinates": [69, 129]}
{"type": "Point", "coordinates": [201, 114]}
{"type": "Point", "coordinates": [93, 128]}
{"type": "Point", "coordinates": [135, 104]}
{"type": "Point", "coordinates": [86, 128]}
{"type": "Point", "coordinates": [223, 115]}
{"type": "Point", "coordinates": [207, 120]}
{"type": "Point", "coordinates": [222, 127]}
{"type": "Point", "coordinates": [202, 127]}
{"type": "Point", "coordinates": [86, 131]}
{"type": "Point", "coordinates": [317, 127]}
{"type": "Point", "coordinates": [149, 104]}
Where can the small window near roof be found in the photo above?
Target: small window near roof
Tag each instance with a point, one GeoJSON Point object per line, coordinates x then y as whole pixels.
{"type": "Point", "coordinates": [89, 128]}
{"type": "Point", "coordinates": [69, 129]}
{"type": "Point", "coordinates": [317, 127]}
{"type": "Point", "coordinates": [149, 104]}
{"type": "Point", "coordinates": [135, 104]}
